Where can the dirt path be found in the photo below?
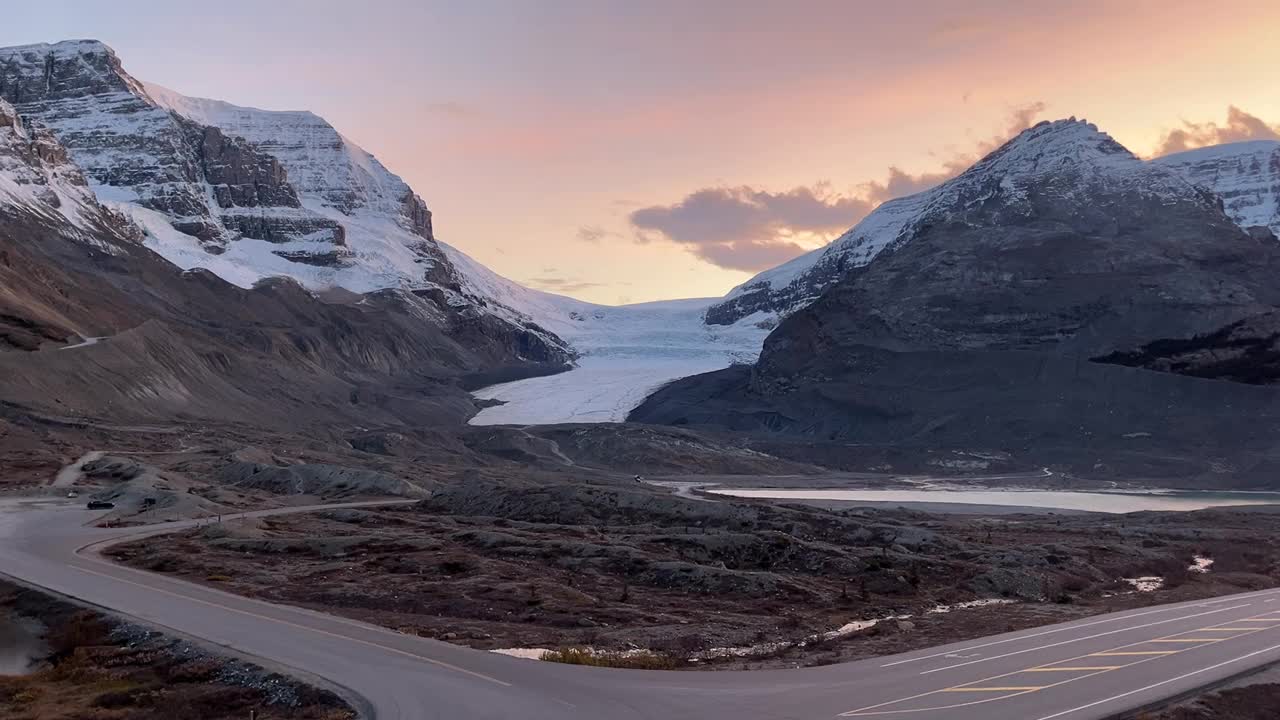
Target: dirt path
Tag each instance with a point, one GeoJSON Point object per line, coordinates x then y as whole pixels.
{"type": "Point", "coordinates": [68, 475]}
{"type": "Point", "coordinates": [552, 445]}
{"type": "Point", "coordinates": [684, 488]}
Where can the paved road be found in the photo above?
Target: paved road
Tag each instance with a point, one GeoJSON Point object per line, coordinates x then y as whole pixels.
{"type": "Point", "coordinates": [1091, 668]}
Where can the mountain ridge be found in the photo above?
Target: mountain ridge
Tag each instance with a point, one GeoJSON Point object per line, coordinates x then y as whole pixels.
{"type": "Point", "coordinates": [210, 197]}
{"type": "Point", "coordinates": [1004, 320]}
{"type": "Point", "coordinates": [94, 324]}
{"type": "Point", "coordinates": [793, 285]}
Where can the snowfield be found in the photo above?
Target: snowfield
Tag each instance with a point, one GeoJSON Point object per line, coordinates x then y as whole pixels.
{"type": "Point", "coordinates": [627, 352]}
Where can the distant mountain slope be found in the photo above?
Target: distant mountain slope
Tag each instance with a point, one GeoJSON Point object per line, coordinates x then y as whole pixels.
{"type": "Point", "coordinates": [388, 227]}
{"type": "Point", "coordinates": [1246, 175]}
{"type": "Point", "coordinates": [173, 344]}
{"type": "Point", "coordinates": [214, 188]}
{"type": "Point", "coordinates": [247, 193]}
{"type": "Point", "coordinates": [977, 329]}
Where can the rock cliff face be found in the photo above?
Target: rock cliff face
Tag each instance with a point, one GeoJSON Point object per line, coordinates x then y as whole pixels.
{"type": "Point", "coordinates": [37, 175]}
{"type": "Point", "coordinates": [39, 184]}
{"type": "Point", "coordinates": [1245, 351]}
{"type": "Point", "coordinates": [387, 223]}
{"type": "Point", "coordinates": [1246, 175]}
{"type": "Point", "coordinates": [978, 327]}
{"type": "Point", "coordinates": [131, 149]}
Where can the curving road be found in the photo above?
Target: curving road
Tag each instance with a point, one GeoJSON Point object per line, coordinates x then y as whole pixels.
{"type": "Point", "coordinates": [1093, 668]}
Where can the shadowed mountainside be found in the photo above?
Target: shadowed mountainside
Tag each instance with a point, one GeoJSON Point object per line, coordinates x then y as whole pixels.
{"type": "Point", "coordinates": [978, 329]}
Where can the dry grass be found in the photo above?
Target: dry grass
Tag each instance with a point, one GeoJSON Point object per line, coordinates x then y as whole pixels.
{"type": "Point", "coordinates": [89, 675]}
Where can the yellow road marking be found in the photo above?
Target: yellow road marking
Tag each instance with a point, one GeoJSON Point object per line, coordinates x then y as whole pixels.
{"type": "Point", "coordinates": [1075, 668]}
{"type": "Point", "coordinates": [1006, 688]}
{"type": "Point", "coordinates": [1091, 671]}
{"type": "Point", "coordinates": [1189, 640]}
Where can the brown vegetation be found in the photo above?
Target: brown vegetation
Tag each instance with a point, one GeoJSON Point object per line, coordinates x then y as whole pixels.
{"type": "Point", "coordinates": [101, 669]}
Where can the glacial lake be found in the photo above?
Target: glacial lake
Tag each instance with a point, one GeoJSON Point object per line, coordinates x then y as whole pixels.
{"type": "Point", "coordinates": [1107, 502]}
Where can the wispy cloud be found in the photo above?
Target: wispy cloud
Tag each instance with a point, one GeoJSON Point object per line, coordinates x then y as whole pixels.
{"type": "Point", "coordinates": [594, 234]}
{"type": "Point", "coordinates": [562, 284]}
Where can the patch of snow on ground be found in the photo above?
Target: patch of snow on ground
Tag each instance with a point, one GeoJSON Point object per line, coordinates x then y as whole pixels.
{"type": "Point", "coordinates": [1150, 583]}
{"type": "Point", "coordinates": [627, 353]}
{"type": "Point", "coordinates": [86, 342]}
{"type": "Point", "coordinates": [524, 653]}
{"type": "Point", "coordinates": [775, 646]}
{"type": "Point", "coordinates": [1201, 564]}
{"type": "Point", "coordinates": [968, 605]}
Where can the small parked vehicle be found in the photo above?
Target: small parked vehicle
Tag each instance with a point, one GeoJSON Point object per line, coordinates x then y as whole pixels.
{"type": "Point", "coordinates": [72, 493]}
{"type": "Point", "coordinates": [100, 505]}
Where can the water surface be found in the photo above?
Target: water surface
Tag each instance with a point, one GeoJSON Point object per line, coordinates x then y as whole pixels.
{"type": "Point", "coordinates": [1108, 502]}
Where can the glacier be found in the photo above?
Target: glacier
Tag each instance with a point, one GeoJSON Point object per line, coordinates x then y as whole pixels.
{"type": "Point", "coordinates": [626, 353]}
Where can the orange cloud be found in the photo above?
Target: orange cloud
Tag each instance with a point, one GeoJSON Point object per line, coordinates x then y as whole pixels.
{"type": "Point", "coordinates": [743, 228]}
{"type": "Point", "coordinates": [1240, 126]}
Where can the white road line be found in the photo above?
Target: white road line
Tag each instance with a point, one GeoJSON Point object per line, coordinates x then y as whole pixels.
{"type": "Point", "coordinates": [281, 621]}
{"type": "Point", "coordinates": [1087, 637]}
{"type": "Point", "coordinates": [1162, 682]}
{"type": "Point", "coordinates": [1066, 629]}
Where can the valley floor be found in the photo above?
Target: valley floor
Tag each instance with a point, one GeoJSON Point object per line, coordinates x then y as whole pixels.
{"type": "Point", "coordinates": [710, 584]}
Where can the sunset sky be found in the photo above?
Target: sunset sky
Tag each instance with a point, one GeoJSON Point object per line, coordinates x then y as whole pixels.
{"type": "Point", "coordinates": [631, 151]}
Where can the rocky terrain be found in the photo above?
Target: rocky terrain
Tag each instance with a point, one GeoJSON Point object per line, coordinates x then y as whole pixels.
{"type": "Point", "coordinates": [980, 332]}
{"type": "Point", "coordinates": [89, 666]}
{"type": "Point", "coordinates": [1246, 351]}
{"type": "Point", "coordinates": [547, 562]}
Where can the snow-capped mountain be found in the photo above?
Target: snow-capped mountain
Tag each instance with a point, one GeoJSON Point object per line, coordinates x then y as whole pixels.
{"type": "Point", "coordinates": [214, 188]}
{"type": "Point", "coordinates": [1001, 311]}
{"type": "Point", "coordinates": [1246, 175]}
{"type": "Point", "coordinates": [148, 341]}
{"type": "Point", "coordinates": [251, 194]}
{"type": "Point", "coordinates": [36, 177]}
{"type": "Point", "coordinates": [1059, 153]}
{"type": "Point", "coordinates": [387, 234]}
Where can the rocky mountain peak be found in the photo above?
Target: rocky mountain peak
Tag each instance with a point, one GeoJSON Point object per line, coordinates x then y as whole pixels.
{"type": "Point", "coordinates": [1067, 158]}
{"type": "Point", "coordinates": [215, 188]}
{"type": "Point", "coordinates": [1049, 145]}
{"type": "Point", "coordinates": [33, 73]}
